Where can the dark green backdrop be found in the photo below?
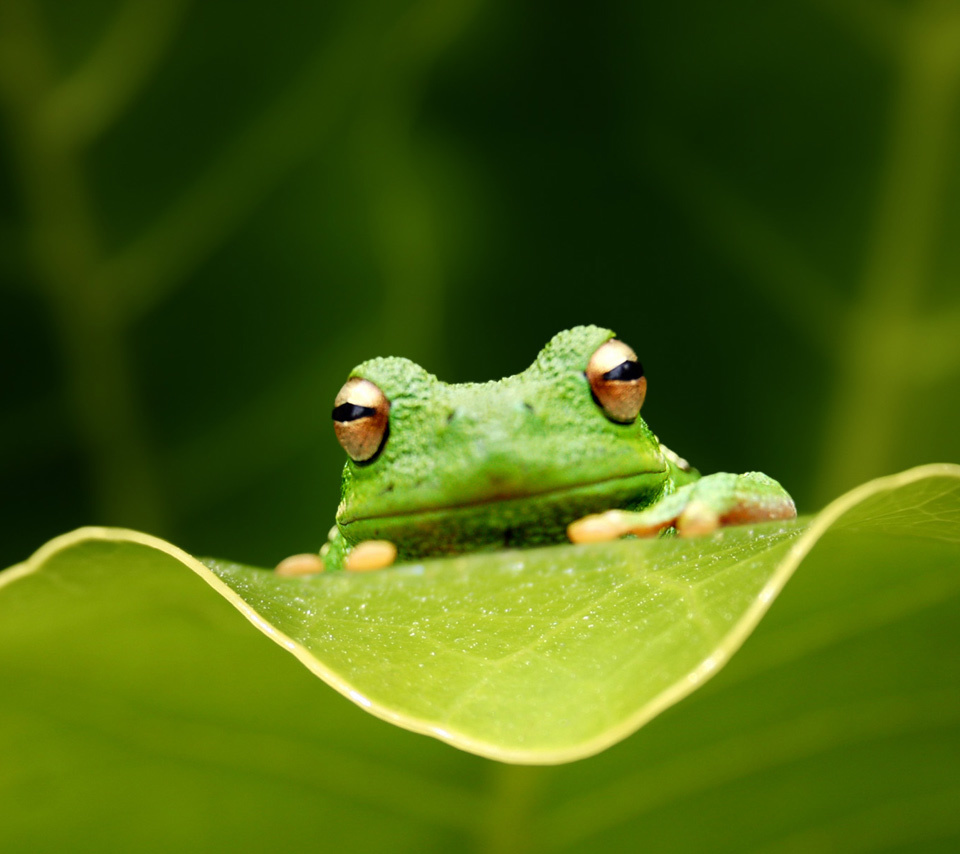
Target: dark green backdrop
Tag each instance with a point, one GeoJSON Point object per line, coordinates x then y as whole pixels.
{"type": "Point", "coordinates": [212, 210]}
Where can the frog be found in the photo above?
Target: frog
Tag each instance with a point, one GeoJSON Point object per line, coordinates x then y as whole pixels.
{"type": "Point", "coordinates": [558, 453]}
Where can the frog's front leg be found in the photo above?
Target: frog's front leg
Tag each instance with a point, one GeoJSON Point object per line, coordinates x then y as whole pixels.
{"type": "Point", "coordinates": [695, 508]}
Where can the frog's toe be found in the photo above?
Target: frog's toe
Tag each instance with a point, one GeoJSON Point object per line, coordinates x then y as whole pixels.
{"type": "Point", "coordinates": [613, 524]}
{"type": "Point", "coordinates": [723, 499]}
{"type": "Point", "coordinates": [304, 564]}
{"type": "Point", "coordinates": [371, 554]}
{"type": "Point", "coordinates": [698, 518]}
{"type": "Point", "coordinates": [596, 528]}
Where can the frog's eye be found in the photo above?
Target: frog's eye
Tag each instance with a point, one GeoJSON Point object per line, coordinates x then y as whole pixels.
{"type": "Point", "coordinates": [361, 415]}
{"type": "Point", "coordinates": [617, 381]}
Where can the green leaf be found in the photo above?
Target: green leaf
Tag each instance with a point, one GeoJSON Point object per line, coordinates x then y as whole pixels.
{"type": "Point", "coordinates": [139, 712]}
{"type": "Point", "coordinates": [539, 656]}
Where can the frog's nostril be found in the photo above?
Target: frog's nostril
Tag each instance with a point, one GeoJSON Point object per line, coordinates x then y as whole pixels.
{"type": "Point", "coordinates": [463, 417]}
{"type": "Point", "coordinates": [522, 409]}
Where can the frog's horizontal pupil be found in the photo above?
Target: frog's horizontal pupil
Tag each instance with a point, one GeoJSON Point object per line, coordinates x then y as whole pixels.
{"type": "Point", "coordinates": [617, 381]}
{"type": "Point", "coordinates": [361, 419]}
{"type": "Point", "coordinates": [625, 372]}
{"type": "Point", "coordinates": [351, 412]}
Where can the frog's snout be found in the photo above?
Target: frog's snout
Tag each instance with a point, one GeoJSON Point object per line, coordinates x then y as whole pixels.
{"type": "Point", "coordinates": [493, 440]}
{"type": "Point", "coordinates": [505, 415]}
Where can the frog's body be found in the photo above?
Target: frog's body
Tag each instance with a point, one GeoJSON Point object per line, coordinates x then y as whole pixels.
{"type": "Point", "coordinates": [448, 468]}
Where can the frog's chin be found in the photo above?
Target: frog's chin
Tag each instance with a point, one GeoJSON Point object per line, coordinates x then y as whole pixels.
{"type": "Point", "coordinates": [500, 520]}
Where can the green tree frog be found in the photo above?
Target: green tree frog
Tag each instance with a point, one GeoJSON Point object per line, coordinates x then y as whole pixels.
{"type": "Point", "coordinates": [556, 453]}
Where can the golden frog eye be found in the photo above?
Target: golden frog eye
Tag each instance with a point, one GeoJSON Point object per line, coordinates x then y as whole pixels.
{"type": "Point", "coordinates": [617, 381]}
{"type": "Point", "coordinates": [361, 417]}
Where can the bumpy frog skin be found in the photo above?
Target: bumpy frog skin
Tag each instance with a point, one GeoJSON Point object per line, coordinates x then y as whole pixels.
{"type": "Point", "coordinates": [445, 469]}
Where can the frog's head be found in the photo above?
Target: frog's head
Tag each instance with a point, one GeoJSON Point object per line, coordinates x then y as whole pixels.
{"type": "Point", "coordinates": [440, 468]}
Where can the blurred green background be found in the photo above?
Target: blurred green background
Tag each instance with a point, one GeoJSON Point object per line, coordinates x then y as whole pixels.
{"type": "Point", "coordinates": [212, 211]}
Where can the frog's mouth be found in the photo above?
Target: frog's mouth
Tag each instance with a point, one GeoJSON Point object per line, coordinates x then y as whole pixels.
{"type": "Point", "coordinates": [499, 520]}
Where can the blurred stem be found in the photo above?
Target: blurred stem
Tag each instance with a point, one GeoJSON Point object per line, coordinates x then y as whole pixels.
{"type": "Point", "coordinates": [875, 371]}
{"type": "Point", "coordinates": [82, 106]}
{"type": "Point", "coordinates": [65, 252]}
{"type": "Point", "coordinates": [403, 219]}
{"type": "Point", "coordinates": [507, 829]}
{"type": "Point", "coordinates": [937, 346]}
{"type": "Point", "coordinates": [879, 24]}
{"type": "Point", "coordinates": [775, 267]}
{"type": "Point", "coordinates": [366, 49]}
{"type": "Point", "coordinates": [405, 235]}
{"type": "Point", "coordinates": [281, 137]}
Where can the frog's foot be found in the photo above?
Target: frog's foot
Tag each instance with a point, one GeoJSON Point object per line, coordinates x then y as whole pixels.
{"type": "Point", "coordinates": [370, 554]}
{"type": "Point", "coordinates": [697, 508]}
{"type": "Point", "coordinates": [305, 564]}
